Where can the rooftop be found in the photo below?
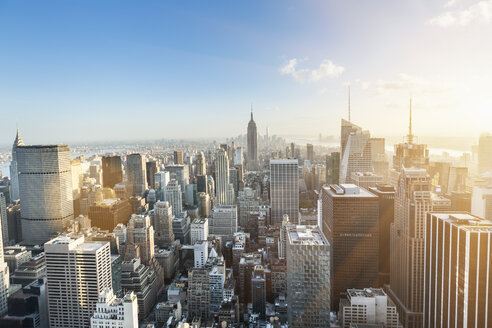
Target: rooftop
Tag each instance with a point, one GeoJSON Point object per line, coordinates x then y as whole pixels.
{"type": "Point", "coordinates": [465, 221]}
{"type": "Point", "coordinates": [348, 191]}
{"type": "Point", "coordinates": [306, 235]}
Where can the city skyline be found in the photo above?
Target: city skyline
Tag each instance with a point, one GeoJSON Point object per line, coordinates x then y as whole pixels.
{"type": "Point", "coordinates": [98, 63]}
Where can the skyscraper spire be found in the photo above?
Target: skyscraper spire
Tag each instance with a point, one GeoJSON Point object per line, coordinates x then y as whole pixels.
{"type": "Point", "coordinates": [251, 111]}
{"type": "Point", "coordinates": [410, 134]}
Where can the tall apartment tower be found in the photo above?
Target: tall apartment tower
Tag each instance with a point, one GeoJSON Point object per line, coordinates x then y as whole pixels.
{"type": "Point", "coordinates": [308, 277]}
{"type": "Point", "coordinates": [252, 145]}
{"type": "Point", "coordinates": [457, 287]}
{"type": "Point", "coordinates": [4, 274]}
{"type": "Point", "coordinates": [77, 272]}
{"type": "Point", "coordinates": [112, 171]}
{"type": "Point", "coordinates": [350, 217]}
{"type": "Point", "coordinates": [485, 153]}
{"type": "Point", "coordinates": [258, 291]}
{"type": "Point", "coordinates": [163, 224]}
{"type": "Point", "coordinates": [222, 177]}
{"type": "Point", "coordinates": [412, 201]}
{"type": "Point", "coordinates": [136, 180]}
{"type": "Point", "coordinates": [201, 164]}
{"type": "Point", "coordinates": [356, 151]}
{"type": "Point", "coordinates": [284, 189]}
{"type": "Point", "coordinates": [140, 232]}
{"type": "Point", "coordinates": [178, 157]}
{"type": "Point", "coordinates": [14, 170]}
{"type": "Point", "coordinates": [45, 184]}
{"type": "Point", "coordinates": [174, 196]}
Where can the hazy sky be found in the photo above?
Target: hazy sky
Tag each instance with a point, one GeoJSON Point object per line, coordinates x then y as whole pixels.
{"type": "Point", "coordinates": [105, 70]}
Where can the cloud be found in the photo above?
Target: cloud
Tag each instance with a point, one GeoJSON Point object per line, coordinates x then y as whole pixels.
{"type": "Point", "coordinates": [327, 69]}
{"type": "Point", "coordinates": [410, 83]}
{"type": "Point", "coordinates": [479, 12]}
{"type": "Point", "coordinates": [450, 4]}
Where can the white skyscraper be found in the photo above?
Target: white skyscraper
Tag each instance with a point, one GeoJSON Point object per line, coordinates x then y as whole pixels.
{"type": "Point", "coordinates": [356, 151]}
{"type": "Point", "coordinates": [199, 230]}
{"type": "Point", "coordinates": [174, 197]}
{"type": "Point", "coordinates": [115, 312]}
{"type": "Point", "coordinates": [77, 273]}
{"type": "Point", "coordinates": [223, 221]}
{"type": "Point", "coordinates": [222, 177]}
{"type": "Point", "coordinates": [284, 189]}
{"type": "Point", "coordinates": [45, 183]}
{"type": "Point", "coordinates": [200, 250]}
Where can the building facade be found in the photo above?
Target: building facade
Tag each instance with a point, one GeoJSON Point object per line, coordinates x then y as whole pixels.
{"type": "Point", "coordinates": [284, 189]}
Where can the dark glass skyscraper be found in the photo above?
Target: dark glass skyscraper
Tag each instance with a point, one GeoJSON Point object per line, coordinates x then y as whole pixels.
{"type": "Point", "coordinates": [112, 172]}
{"type": "Point", "coordinates": [252, 145]}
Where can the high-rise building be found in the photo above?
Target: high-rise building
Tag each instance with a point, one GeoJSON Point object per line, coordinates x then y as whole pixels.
{"type": "Point", "coordinates": [14, 170]}
{"type": "Point", "coordinates": [199, 230]}
{"type": "Point", "coordinates": [160, 183]}
{"type": "Point", "coordinates": [481, 202]}
{"type": "Point", "coordinates": [200, 252]}
{"type": "Point", "coordinates": [201, 164]}
{"type": "Point", "coordinates": [174, 197]}
{"type": "Point", "coordinates": [108, 213]}
{"type": "Point", "coordinates": [151, 168]}
{"type": "Point", "coordinates": [366, 179]}
{"type": "Point", "coordinates": [4, 277]}
{"type": "Point", "coordinates": [198, 294]}
{"type": "Point", "coordinates": [115, 312]}
{"type": "Point", "coordinates": [221, 177]}
{"type": "Point", "coordinates": [77, 272]}
{"type": "Point", "coordinates": [457, 289]}
{"type": "Point", "coordinates": [412, 200]}
{"type": "Point", "coordinates": [356, 151]}
{"type": "Point", "coordinates": [181, 173]}
{"type": "Point", "coordinates": [252, 147]}
{"type": "Point", "coordinates": [178, 157]}
{"type": "Point", "coordinates": [350, 224]}
{"type": "Point", "coordinates": [369, 306]}
{"type": "Point", "coordinates": [203, 205]}
{"type": "Point", "coordinates": [4, 222]}
{"type": "Point", "coordinates": [485, 153]}
{"type": "Point", "coordinates": [181, 229]}
{"type": "Point", "coordinates": [308, 277]}
{"type": "Point", "coordinates": [310, 153]}
{"type": "Point", "coordinates": [237, 157]}
{"type": "Point", "coordinates": [140, 232]}
{"type": "Point", "coordinates": [136, 181]}
{"type": "Point", "coordinates": [163, 224]}
{"type": "Point", "coordinates": [333, 168]}
{"type": "Point", "coordinates": [223, 221]}
{"type": "Point", "coordinates": [386, 200]}
{"type": "Point", "coordinates": [258, 291]}
{"type": "Point", "coordinates": [45, 184]}
{"type": "Point", "coordinates": [284, 189]}
{"type": "Point", "coordinates": [112, 171]}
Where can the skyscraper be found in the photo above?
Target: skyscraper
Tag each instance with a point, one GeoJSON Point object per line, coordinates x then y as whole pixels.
{"type": "Point", "coordinates": [284, 189]}
{"type": "Point", "coordinates": [457, 290]}
{"type": "Point", "coordinates": [201, 164]}
{"type": "Point", "coordinates": [178, 157]}
{"type": "Point", "coordinates": [252, 145]}
{"type": "Point", "coordinates": [308, 277]}
{"type": "Point", "coordinates": [413, 199]}
{"type": "Point", "coordinates": [45, 184]}
{"type": "Point", "coordinates": [258, 291]}
{"type": "Point", "coordinates": [223, 221]}
{"type": "Point", "coordinates": [174, 197]}
{"type": "Point", "coordinates": [112, 172]}
{"type": "Point", "coordinates": [333, 168]}
{"type": "Point", "coordinates": [4, 273]}
{"type": "Point", "coordinates": [151, 169]}
{"type": "Point", "coordinates": [140, 232]}
{"type": "Point", "coordinates": [350, 223]}
{"type": "Point", "coordinates": [222, 177]}
{"type": "Point", "coordinates": [163, 224]}
{"type": "Point", "coordinates": [356, 151]}
{"type": "Point", "coordinates": [310, 153]}
{"type": "Point", "coordinates": [14, 171]}
{"type": "Point", "coordinates": [77, 272]}
{"type": "Point", "coordinates": [136, 181]}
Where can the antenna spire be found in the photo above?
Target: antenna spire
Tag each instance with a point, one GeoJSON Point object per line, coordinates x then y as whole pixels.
{"type": "Point", "coordinates": [251, 111]}
{"type": "Point", "coordinates": [349, 102]}
{"type": "Point", "coordinates": [410, 134]}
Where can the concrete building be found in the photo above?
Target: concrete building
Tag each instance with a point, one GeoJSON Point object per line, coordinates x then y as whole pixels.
{"type": "Point", "coordinates": [369, 306]}
{"type": "Point", "coordinates": [77, 272]}
{"type": "Point", "coordinates": [284, 189]}
{"type": "Point", "coordinates": [181, 229]}
{"type": "Point", "coordinates": [200, 251]}
{"type": "Point", "coordinates": [223, 221]}
{"type": "Point", "coordinates": [308, 277]}
{"type": "Point", "coordinates": [108, 213]}
{"type": "Point", "coordinates": [457, 289]}
{"type": "Point", "coordinates": [115, 312]}
{"type": "Point", "coordinates": [356, 151]}
{"type": "Point", "coordinates": [350, 224]}
{"type": "Point", "coordinates": [413, 199]}
{"type": "Point", "coordinates": [163, 224]}
{"type": "Point", "coordinates": [15, 256]}
{"type": "Point", "coordinates": [161, 179]}
{"type": "Point", "coordinates": [140, 232]}
{"type": "Point", "coordinates": [178, 157]}
{"type": "Point", "coordinates": [45, 184]}
{"type": "Point", "coordinates": [180, 173]}
{"type": "Point", "coordinates": [199, 230]}
{"type": "Point", "coordinates": [136, 178]}
{"type": "Point", "coordinates": [174, 197]}
{"type": "Point", "coordinates": [201, 164]}
{"type": "Point", "coordinates": [366, 179]}
{"type": "Point", "coordinates": [31, 271]}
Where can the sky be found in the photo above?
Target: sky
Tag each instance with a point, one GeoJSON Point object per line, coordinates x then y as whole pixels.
{"type": "Point", "coordinates": [81, 71]}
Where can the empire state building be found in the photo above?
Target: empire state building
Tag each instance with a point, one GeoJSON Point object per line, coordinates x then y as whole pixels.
{"type": "Point", "coordinates": [252, 145]}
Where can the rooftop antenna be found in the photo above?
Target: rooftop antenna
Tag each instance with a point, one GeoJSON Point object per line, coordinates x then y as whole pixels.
{"type": "Point", "coordinates": [410, 134]}
{"type": "Point", "coordinates": [349, 102]}
{"type": "Point", "coordinates": [251, 111]}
